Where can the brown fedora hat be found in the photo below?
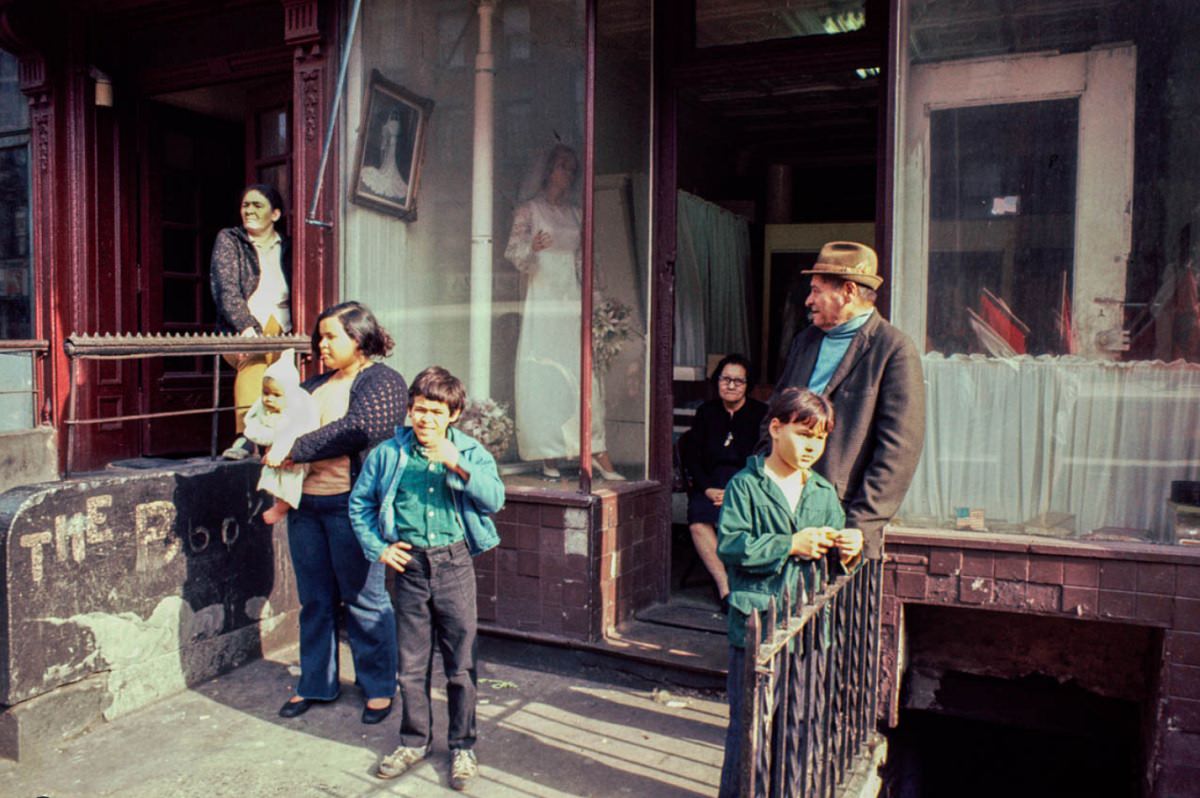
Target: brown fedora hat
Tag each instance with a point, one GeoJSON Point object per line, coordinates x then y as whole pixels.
{"type": "Point", "coordinates": [849, 261]}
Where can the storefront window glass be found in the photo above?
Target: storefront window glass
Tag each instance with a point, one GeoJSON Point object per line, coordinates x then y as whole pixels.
{"type": "Point", "coordinates": [620, 319]}
{"type": "Point", "coordinates": [16, 276]}
{"type": "Point", "coordinates": [479, 273]}
{"type": "Point", "coordinates": [1054, 294]}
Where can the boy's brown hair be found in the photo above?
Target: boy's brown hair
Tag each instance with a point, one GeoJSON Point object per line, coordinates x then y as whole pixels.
{"type": "Point", "coordinates": [439, 385]}
{"type": "Point", "coordinates": [800, 404]}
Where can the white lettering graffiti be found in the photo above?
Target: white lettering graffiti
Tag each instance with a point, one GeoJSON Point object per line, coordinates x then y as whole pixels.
{"type": "Point", "coordinates": [97, 526]}
{"type": "Point", "coordinates": [34, 542]}
{"type": "Point", "coordinates": [154, 534]}
{"type": "Point", "coordinates": [153, 523]}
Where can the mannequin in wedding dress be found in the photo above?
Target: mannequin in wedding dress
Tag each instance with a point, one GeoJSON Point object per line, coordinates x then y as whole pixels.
{"type": "Point", "coordinates": [544, 246]}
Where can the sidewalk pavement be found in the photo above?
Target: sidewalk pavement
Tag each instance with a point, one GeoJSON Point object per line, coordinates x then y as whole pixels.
{"type": "Point", "coordinates": [596, 732]}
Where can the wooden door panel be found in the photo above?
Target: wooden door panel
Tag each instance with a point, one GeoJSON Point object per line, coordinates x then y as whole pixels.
{"type": "Point", "coordinates": [192, 173]}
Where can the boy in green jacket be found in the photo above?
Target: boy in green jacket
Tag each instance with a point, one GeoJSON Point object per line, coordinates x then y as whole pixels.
{"type": "Point", "coordinates": [778, 518]}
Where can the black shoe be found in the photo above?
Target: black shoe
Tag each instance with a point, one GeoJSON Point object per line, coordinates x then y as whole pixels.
{"type": "Point", "coordinates": [373, 716]}
{"type": "Point", "coordinates": [294, 709]}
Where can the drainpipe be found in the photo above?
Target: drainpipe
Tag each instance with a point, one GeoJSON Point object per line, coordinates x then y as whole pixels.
{"type": "Point", "coordinates": [480, 381]}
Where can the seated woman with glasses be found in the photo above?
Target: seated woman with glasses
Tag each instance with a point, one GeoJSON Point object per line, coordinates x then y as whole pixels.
{"type": "Point", "coordinates": [724, 433]}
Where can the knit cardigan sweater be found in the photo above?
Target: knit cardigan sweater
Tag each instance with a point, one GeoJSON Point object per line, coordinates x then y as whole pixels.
{"type": "Point", "coordinates": [234, 273]}
{"type": "Point", "coordinates": [378, 404]}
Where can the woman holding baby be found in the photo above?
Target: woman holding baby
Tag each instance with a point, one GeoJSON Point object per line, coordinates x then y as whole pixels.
{"type": "Point", "coordinates": [361, 403]}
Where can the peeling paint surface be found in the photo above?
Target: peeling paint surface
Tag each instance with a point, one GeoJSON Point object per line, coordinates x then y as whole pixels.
{"type": "Point", "coordinates": [139, 576]}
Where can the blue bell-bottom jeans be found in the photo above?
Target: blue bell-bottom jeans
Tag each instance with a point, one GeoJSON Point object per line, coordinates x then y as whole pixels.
{"type": "Point", "coordinates": [331, 571]}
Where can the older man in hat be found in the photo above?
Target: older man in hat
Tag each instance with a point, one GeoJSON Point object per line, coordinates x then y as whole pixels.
{"type": "Point", "coordinates": [872, 373]}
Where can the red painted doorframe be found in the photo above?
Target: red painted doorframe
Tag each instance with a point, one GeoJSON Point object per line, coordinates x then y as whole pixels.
{"type": "Point", "coordinates": [70, 206]}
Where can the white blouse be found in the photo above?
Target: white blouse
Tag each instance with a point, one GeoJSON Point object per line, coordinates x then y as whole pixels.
{"type": "Point", "coordinates": [271, 297]}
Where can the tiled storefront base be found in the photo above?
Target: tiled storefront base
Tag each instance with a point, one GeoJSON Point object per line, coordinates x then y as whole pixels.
{"type": "Point", "coordinates": [573, 566]}
{"type": "Point", "coordinates": [1152, 586]}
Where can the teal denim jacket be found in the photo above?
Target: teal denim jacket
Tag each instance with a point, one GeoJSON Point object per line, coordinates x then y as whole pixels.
{"type": "Point", "coordinates": [754, 541]}
{"type": "Point", "coordinates": [373, 499]}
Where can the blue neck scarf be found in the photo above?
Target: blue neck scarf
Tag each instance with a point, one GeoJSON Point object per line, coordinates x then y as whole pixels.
{"type": "Point", "coordinates": [833, 349]}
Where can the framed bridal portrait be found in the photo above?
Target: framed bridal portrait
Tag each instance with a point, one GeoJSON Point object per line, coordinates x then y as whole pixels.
{"type": "Point", "coordinates": [391, 142]}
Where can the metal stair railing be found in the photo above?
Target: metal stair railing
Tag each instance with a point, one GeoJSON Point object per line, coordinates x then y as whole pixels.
{"type": "Point", "coordinates": [132, 346]}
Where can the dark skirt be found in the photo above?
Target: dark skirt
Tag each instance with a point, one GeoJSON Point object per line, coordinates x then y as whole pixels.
{"type": "Point", "coordinates": [701, 510]}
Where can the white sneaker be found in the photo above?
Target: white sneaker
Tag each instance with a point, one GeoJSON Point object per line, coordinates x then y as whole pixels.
{"type": "Point", "coordinates": [400, 760]}
{"type": "Point", "coordinates": [463, 767]}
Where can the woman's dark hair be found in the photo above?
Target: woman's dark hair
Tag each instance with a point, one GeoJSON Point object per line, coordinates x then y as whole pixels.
{"type": "Point", "coordinates": [736, 360]}
{"type": "Point", "coordinates": [802, 405]}
{"type": "Point", "coordinates": [438, 385]}
{"type": "Point", "coordinates": [270, 192]}
{"type": "Point", "coordinates": [360, 325]}
{"type": "Point", "coordinates": [274, 198]}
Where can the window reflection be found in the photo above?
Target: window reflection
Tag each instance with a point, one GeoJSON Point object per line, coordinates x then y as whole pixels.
{"type": "Point", "coordinates": [435, 281]}
{"type": "Point", "coordinates": [1002, 228]}
{"type": "Point", "coordinates": [16, 267]}
{"type": "Point", "coordinates": [16, 301]}
{"type": "Point", "coordinates": [1021, 231]}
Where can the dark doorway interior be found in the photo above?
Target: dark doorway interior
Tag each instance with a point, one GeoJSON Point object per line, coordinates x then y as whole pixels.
{"type": "Point", "coordinates": [199, 148]}
{"type": "Point", "coordinates": [192, 168]}
{"type": "Point", "coordinates": [1088, 748]}
{"type": "Point", "coordinates": [779, 144]}
{"type": "Point", "coordinates": [1009, 704]}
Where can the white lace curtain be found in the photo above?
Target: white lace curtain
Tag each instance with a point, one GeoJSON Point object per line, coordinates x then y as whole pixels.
{"type": "Point", "coordinates": [1058, 441]}
{"type": "Point", "coordinates": [710, 282]}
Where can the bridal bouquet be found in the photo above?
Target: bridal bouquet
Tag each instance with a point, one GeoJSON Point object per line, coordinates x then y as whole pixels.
{"type": "Point", "coordinates": [488, 422]}
{"type": "Point", "coordinates": [612, 325]}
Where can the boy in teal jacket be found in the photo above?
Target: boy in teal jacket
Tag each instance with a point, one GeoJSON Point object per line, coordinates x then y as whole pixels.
{"type": "Point", "coordinates": [778, 518]}
{"type": "Point", "coordinates": [422, 506]}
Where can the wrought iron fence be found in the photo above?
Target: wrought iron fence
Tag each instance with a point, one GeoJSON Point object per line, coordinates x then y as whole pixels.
{"type": "Point", "coordinates": [810, 686]}
{"type": "Point", "coordinates": [136, 346]}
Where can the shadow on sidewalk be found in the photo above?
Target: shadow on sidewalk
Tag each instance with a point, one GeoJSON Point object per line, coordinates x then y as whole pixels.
{"type": "Point", "coordinates": [541, 733]}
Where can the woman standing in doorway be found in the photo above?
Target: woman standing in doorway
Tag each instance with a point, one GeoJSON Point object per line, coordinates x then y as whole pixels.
{"type": "Point", "coordinates": [544, 246]}
{"type": "Point", "coordinates": [251, 276]}
{"type": "Point", "coordinates": [723, 434]}
{"type": "Point", "coordinates": [362, 402]}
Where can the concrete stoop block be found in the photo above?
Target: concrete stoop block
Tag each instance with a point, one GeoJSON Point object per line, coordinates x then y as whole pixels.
{"type": "Point", "coordinates": [28, 456]}
{"type": "Point", "coordinates": [122, 587]}
{"type": "Point", "coordinates": [34, 728]}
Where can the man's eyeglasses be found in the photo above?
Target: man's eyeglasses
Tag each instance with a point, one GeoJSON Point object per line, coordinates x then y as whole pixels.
{"type": "Point", "coordinates": [736, 382]}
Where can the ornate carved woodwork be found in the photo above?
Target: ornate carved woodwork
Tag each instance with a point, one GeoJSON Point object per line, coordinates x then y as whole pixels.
{"type": "Point", "coordinates": [313, 272]}
{"type": "Point", "coordinates": [301, 22]}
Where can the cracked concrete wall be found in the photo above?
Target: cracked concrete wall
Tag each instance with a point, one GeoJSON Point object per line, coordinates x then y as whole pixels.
{"type": "Point", "coordinates": [149, 581]}
{"type": "Point", "coordinates": [28, 456]}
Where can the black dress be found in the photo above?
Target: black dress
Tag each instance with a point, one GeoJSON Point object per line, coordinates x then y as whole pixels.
{"type": "Point", "coordinates": [716, 448]}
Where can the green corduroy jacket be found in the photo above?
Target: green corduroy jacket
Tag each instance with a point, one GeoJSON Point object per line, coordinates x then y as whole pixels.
{"type": "Point", "coordinates": [754, 541]}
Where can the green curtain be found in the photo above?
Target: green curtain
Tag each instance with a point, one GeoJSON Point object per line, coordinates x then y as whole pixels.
{"type": "Point", "coordinates": [710, 282]}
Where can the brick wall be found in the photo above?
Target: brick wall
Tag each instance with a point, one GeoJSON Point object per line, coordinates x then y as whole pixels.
{"type": "Point", "coordinates": [1153, 586]}
{"type": "Point", "coordinates": [539, 578]}
{"type": "Point", "coordinates": [635, 554]}
{"type": "Point", "coordinates": [573, 566]}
